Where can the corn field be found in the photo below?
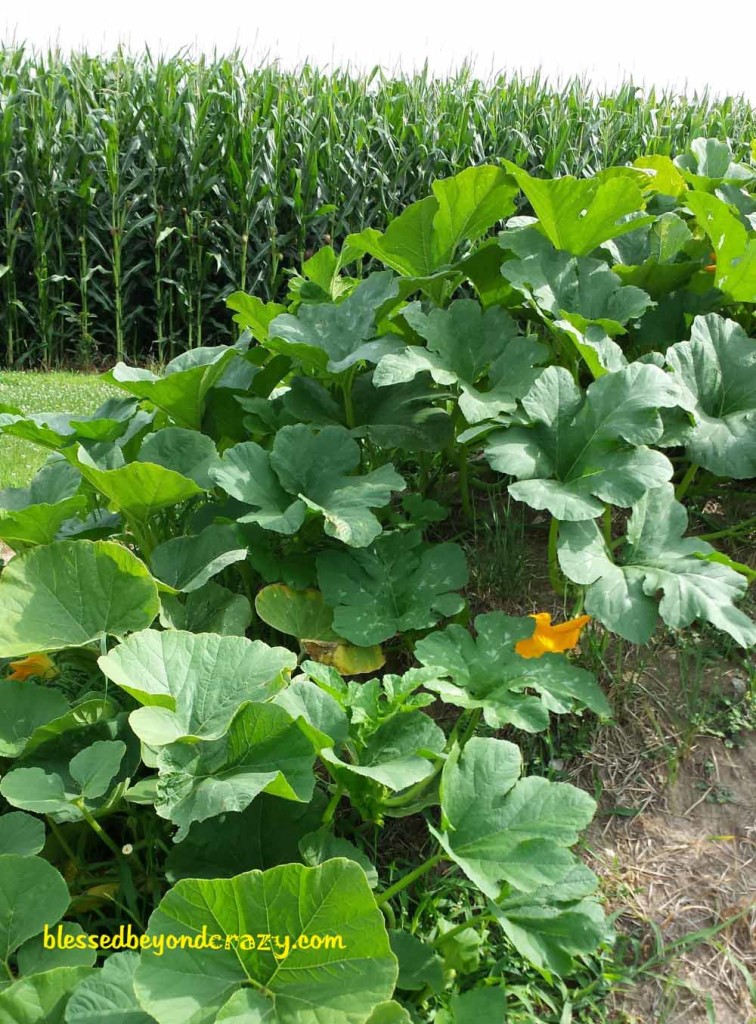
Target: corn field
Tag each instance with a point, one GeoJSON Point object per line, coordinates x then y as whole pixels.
{"type": "Point", "coordinates": [137, 193]}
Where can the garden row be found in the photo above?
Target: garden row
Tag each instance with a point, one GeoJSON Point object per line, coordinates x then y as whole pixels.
{"type": "Point", "coordinates": [135, 195]}
{"type": "Point", "coordinates": [239, 645]}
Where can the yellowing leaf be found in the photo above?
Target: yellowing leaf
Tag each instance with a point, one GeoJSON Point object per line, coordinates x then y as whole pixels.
{"type": "Point", "coordinates": [346, 659]}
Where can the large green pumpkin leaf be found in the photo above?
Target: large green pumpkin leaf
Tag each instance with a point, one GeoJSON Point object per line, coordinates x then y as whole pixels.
{"type": "Point", "coordinates": [38, 524]}
{"type": "Point", "coordinates": [554, 924]}
{"type": "Point", "coordinates": [470, 204]}
{"type": "Point", "coordinates": [488, 673]}
{"type": "Point", "coordinates": [584, 449]}
{"type": "Point", "coordinates": [247, 475]}
{"type": "Point", "coordinates": [34, 958]}
{"type": "Point", "coordinates": [264, 750]}
{"type": "Point", "coordinates": [409, 245]}
{"type": "Point", "coordinates": [265, 834]}
{"type": "Point", "coordinates": [21, 834]}
{"type": "Point", "coordinates": [334, 336]}
{"type": "Point", "coordinates": [24, 707]}
{"type": "Point", "coordinates": [735, 273]}
{"type": "Point", "coordinates": [400, 416]}
{"type": "Point", "coordinates": [187, 563]}
{"type": "Point", "coordinates": [426, 235]}
{"type": "Point", "coordinates": [300, 613]}
{"type": "Point", "coordinates": [107, 996]}
{"type": "Point", "coordinates": [656, 558]}
{"type": "Point", "coordinates": [34, 514]}
{"type": "Point", "coordinates": [210, 609]}
{"type": "Point", "coordinates": [475, 1005]}
{"type": "Point", "coordinates": [578, 215]}
{"type": "Point", "coordinates": [499, 829]}
{"type": "Point", "coordinates": [717, 368]}
{"type": "Point", "coordinates": [89, 776]}
{"type": "Point", "coordinates": [73, 593]}
{"type": "Point", "coordinates": [32, 895]}
{"type": "Point", "coordinates": [183, 388]}
{"type": "Point", "coordinates": [41, 998]}
{"type": "Point", "coordinates": [185, 451]}
{"type": "Point", "coordinates": [57, 430]}
{"type": "Point", "coordinates": [396, 585]}
{"type": "Point", "coordinates": [397, 755]}
{"type": "Point", "coordinates": [340, 985]}
{"type": "Point", "coordinates": [583, 291]}
{"type": "Point", "coordinates": [480, 353]}
{"type": "Point", "coordinates": [709, 162]}
{"type": "Point", "coordinates": [397, 416]}
{"type": "Point", "coordinates": [308, 469]}
{"type": "Point", "coordinates": [192, 684]}
{"type": "Point", "coordinates": [319, 713]}
{"type": "Point", "coordinates": [139, 489]}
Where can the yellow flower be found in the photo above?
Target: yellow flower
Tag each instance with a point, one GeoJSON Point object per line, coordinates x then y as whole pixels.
{"type": "Point", "coordinates": [39, 665]}
{"type": "Point", "coordinates": [548, 638]}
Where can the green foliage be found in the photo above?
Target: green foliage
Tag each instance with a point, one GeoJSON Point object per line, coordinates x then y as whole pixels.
{"type": "Point", "coordinates": [72, 593]}
{"type": "Point", "coordinates": [235, 985]}
{"type": "Point", "coordinates": [157, 186]}
{"type": "Point", "coordinates": [656, 559]}
{"type": "Point", "coordinates": [581, 449]}
{"type": "Point", "coordinates": [487, 673]}
{"type": "Point", "coordinates": [264, 643]}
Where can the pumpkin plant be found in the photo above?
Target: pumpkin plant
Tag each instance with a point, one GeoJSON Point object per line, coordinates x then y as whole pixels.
{"type": "Point", "coordinates": [236, 645]}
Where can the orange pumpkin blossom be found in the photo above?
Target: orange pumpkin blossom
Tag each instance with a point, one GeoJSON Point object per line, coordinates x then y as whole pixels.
{"type": "Point", "coordinates": [39, 665]}
{"type": "Point", "coordinates": [549, 639]}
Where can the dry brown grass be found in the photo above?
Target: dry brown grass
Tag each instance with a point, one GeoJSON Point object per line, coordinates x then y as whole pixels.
{"type": "Point", "coordinates": [675, 847]}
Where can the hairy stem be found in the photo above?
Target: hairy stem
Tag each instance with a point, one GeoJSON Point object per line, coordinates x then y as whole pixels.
{"type": "Point", "coordinates": [687, 480]}
{"type": "Point", "coordinates": [407, 880]}
{"type": "Point", "coordinates": [333, 803]}
{"type": "Point", "coordinates": [732, 531]}
{"type": "Point", "coordinates": [473, 922]}
{"type": "Point", "coordinates": [555, 576]}
{"type": "Point", "coordinates": [98, 829]}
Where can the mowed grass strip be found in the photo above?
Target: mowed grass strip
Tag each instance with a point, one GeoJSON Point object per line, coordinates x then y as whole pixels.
{"type": "Point", "coordinates": [80, 393]}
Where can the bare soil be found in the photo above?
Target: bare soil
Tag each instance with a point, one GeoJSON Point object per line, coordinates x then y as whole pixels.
{"type": "Point", "coordinates": [675, 846]}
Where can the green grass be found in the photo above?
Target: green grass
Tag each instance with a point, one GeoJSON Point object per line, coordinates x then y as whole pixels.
{"type": "Point", "coordinates": [136, 193]}
{"type": "Point", "coordinates": [43, 392]}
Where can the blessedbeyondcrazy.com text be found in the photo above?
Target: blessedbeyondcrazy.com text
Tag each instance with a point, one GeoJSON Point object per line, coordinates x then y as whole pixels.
{"type": "Point", "coordinates": [126, 938]}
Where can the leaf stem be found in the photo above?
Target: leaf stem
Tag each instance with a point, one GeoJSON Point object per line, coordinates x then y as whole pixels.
{"type": "Point", "coordinates": [97, 828]}
{"type": "Point", "coordinates": [402, 884]}
{"type": "Point", "coordinates": [687, 480]}
{"type": "Point", "coordinates": [555, 576]}
{"type": "Point", "coordinates": [608, 525]}
{"type": "Point", "coordinates": [61, 841]}
{"type": "Point", "coordinates": [346, 388]}
{"type": "Point", "coordinates": [473, 922]}
{"type": "Point", "coordinates": [414, 791]}
{"type": "Point", "coordinates": [464, 486]}
{"type": "Point", "coordinates": [471, 726]}
{"type": "Point", "coordinates": [333, 803]}
{"type": "Point", "coordinates": [733, 531]}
